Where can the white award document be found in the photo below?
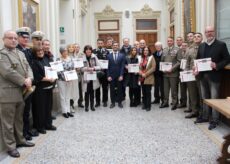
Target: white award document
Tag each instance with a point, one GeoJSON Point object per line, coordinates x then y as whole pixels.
{"type": "Point", "coordinates": [133, 68]}
{"type": "Point", "coordinates": [70, 75]}
{"type": "Point", "coordinates": [186, 76]}
{"type": "Point", "coordinates": [57, 65]}
{"type": "Point", "coordinates": [183, 64]}
{"type": "Point", "coordinates": [203, 64]}
{"type": "Point", "coordinates": [165, 66]}
{"type": "Point", "coordinates": [90, 76]}
{"type": "Point", "coordinates": [104, 64]}
{"type": "Point", "coordinates": [50, 73]}
{"type": "Point", "coordinates": [78, 62]}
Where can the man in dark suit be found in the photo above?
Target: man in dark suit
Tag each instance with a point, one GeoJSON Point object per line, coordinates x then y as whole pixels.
{"type": "Point", "coordinates": [210, 80]}
{"type": "Point", "coordinates": [115, 74]}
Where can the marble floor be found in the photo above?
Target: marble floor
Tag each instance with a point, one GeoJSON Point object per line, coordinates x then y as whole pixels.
{"type": "Point", "coordinates": [128, 135]}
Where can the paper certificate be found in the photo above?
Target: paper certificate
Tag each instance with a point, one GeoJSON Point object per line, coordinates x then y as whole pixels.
{"type": "Point", "coordinates": [133, 68]}
{"type": "Point", "coordinates": [203, 64]}
{"type": "Point", "coordinates": [50, 73]}
{"type": "Point", "coordinates": [186, 76]}
{"type": "Point", "coordinates": [183, 64]}
{"type": "Point", "coordinates": [90, 76]}
{"type": "Point", "coordinates": [165, 66]}
{"type": "Point", "coordinates": [104, 64]}
{"type": "Point", "coordinates": [70, 75]}
{"type": "Point", "coordinates": [57, 65]}
{"type": "Point", "coordinates": [78, 62]}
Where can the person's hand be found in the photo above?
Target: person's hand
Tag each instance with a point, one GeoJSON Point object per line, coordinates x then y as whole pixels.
{"type": "Point", "coordinates": [195, 71]}
{"type": "Point", "coordinates": [120, 78]}
{"type": "Point", "coordinates": [143, 75]}
{"type": "Point", "coordinates": [109, 78]}
{"type": "Point", "coordinates": [169, 71]}
{"type": "Point", "coordinates": [90, 69]}
{"type": "Point", "coordinates": [28, 82]}
{"type": "Point", "coordinates": [213, 65]}
{"type": "Point", "coordinates": [51, 80]}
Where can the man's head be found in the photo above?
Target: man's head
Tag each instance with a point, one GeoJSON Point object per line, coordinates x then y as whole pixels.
{"type": "Point", "coordinates": [184, 46]}
{"type": "Point", "coordinates": [126, 42]}
{"type": "Point", "coordinates": [158, 46]}
{"type": "Point", "coordinates": [76, 47]}
{"type": "Point", "coordinates": [179, 41]}
{"type": "Point", "coordinates": [190, 37]}
{"type": "Point", "coordinates": [170, 41]}
{"type": "Point", "coordinates": [136, 44]}
{"type": "Point", "coordinates": [10, 39]}
{"type": "Point", "coordinates": [37, 37]}
{"type": "Point", "coordinates": [209, 33]}
{"type": "Point", "coordinates": [115, 46]}
{"type": "Point", "coordinates": [198, 37]}
{"type": "Point", "coordinates": [142, 43]}
{"type": "Point", "coordinates": [100, 43]}
{"type": "Point", "coordinates": [23, 36]}
{"type": "Point", "coordinates": [46, 45]}
{"type": "Point", "coordinates": [109, 42]}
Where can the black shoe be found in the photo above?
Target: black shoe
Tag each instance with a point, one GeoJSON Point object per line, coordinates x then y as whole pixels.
{"type": "Point", "coordinates": [188, 111]}
{"type": "Point", "coordinates": [200, 120]}
{"type": "Point", "coordinates": [80, 105]}
{"type": "Point", "coordinates": [26, 144]}
{"type": "Point", "coordinates": [97, 105]}
{"type": "Point", "coordinates": [181, 106]}
{"type": "Point", "coordinates": [120, 105]}
{"type": "Point", "coordinates": [27, 137]}
{"type": "Point", "coordinates": [164, 105]}
{"type": "Point", "coordinates": [155, 102]}
{"type": "Point", "coordinates": [112, 105]}
{"type": "Point", "coordinates": [33, 133]}
{"type": "Point", "coordinates": [65, 115]}
{"type": "Point", "coordinates": [86, 109]}
{"type": "Point", "coordinates": [143, 107]}
{"type": "Point", "coordinates": [174, 107]}
{"type": "Point", "coordinates": [105, 104]}
{"type": "Point", "coordinates": [53, 118]}
{"type": "Point", "coordinates": [42, 131]}
{"type": "Point", "coordinates": [148, 109]}
{"type": "Point", "coordinates": [93, 109]}
{"type": "Point", "coordinates": [14, 153]}
{"type": "Point", "coordinates": [212, 125]}
{"type": "Point", "coordinates": [70, 114]}
{"type": "Point", "coordinates": [51, 127]}
{"type": "Point", "coordinates": [192, 115]}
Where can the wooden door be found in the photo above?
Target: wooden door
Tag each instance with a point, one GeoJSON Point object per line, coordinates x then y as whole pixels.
{"type": "Point", "coordinates": [104, 36]}
{"type": "Point", "coordinates": [150, 39]}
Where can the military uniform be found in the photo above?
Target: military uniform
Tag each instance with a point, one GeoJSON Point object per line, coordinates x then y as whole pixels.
{"type": "Point", "coordinates": [171, 79]}
{"type": "Point", "coordinates": [13, 70]}
{"type": "Point", "coordinates": [193, 86]}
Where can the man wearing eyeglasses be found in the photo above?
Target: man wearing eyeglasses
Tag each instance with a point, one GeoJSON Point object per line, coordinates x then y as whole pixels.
{"type": "Point", "coordinates": [210, 80]}
{"type": "Point", "coordinates": [15, 75]}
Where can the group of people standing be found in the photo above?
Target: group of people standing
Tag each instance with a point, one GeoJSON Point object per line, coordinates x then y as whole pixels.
{"type": "Point", "coordinates": [24, 86]}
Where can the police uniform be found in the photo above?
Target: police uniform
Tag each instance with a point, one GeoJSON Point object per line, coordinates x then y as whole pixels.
{"type": "Point", "coordinates": [171, 79]}
{"type": "Point", "coordinates": [14, 68]}
{"type": "Point", "coordinates": [102, 55]}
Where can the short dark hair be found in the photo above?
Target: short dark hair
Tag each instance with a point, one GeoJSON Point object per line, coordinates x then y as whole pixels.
{"type": "Point", "coordinates": [114, 42]}
{"type": "Point", "coordinates": [170, 37]}
{"type": "Point", "coordinates": [190, 32]}
{"type": "Point", "coordinates": [88, 47]}
{"type": "Point", "coordinates": [100, 39]}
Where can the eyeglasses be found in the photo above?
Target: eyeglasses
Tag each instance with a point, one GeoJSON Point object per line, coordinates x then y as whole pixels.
{"type": "Point", "coordinates": [11, 38]}
{"type": "Point", "coordinates": [209, 31]}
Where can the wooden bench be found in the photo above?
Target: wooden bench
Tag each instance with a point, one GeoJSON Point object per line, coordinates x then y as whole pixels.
{"type": "Point", "coordinates": [222, 106]}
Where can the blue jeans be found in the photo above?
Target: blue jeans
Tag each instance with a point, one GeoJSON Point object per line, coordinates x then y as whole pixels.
{"type": "Point", "coordinates": [209, 90]}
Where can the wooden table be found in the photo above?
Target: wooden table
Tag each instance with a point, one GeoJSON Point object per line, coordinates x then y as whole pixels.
{"type": "Point", "coordinates": [222, 106]}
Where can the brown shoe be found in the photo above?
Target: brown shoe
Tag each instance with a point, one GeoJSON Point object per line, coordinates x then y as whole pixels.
{"type": "Point", "coordinates": [14, 153]}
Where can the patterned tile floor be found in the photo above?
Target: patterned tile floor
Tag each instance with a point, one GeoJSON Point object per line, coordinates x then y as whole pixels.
{"type": "Point", "coordinates": [117, 136]}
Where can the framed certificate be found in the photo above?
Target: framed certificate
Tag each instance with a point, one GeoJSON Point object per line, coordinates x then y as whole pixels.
{"type": "Point", "coordinates": [50, 73]}
{"type": "Point", "coordinates": [186, 76]}
{"type": "Point", "coordinates": [203, 64]}
{"type": "Point", "coordinates": [78, 62]}
{"type": "Point", "coordinates": [133, 68]}
{"type": "Point", "coordinates": [183, 64]}
{"type": "Point", "coordinates": [90, 76]}
{"type": "Point", "coordinates": [165, 66]}
{"type": "Point", "coordinates": [70, 75]}
{"type": "Point", "coordinates": [57, 65]}
{"type": "Point", "coordinates": [104, 64]}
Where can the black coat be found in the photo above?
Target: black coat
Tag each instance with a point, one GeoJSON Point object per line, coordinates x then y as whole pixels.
{"type": "Point", "coordinates": [131, 79]}
{"type": "Point", "coordinates": [158, 60]}
{"type": "Point", "coordinates": [219, 54]}
{"type": "Point", "coordinates": [125, 50]}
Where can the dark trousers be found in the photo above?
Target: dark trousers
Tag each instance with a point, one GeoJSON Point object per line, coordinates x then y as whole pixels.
{"type": "Point", "coordinates": [89, 95]}
{"type": "Point", "coordinates": [146, 91]}
{"type": "Point", "coordinates": [118, 85]}
{"type": "Point", "coordinates": [104, 84]}
{"type": "Point", "coordinates": [41, 107]}
{"type": "Point", "coordinates": [80, 100]}
{"type": "Point", "coordinates": [159, 88]}
{"type": "Point", "coordinates": [26, 115]}
{"type": "Point", "coordinates": [183, 93]}
{"type": "Point", "coordinates": [133, 96]}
